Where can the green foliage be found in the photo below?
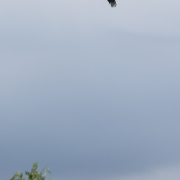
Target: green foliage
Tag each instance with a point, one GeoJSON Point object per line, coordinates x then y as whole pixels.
{"type": "Point", "coordinates": [35, 174]}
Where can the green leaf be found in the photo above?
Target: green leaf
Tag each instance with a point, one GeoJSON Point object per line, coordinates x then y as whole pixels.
{"type": "Point", "coordinates": [35, 174]}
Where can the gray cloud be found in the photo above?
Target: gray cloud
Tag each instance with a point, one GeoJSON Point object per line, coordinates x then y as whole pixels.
{"type": "Point", "coordinates": [88, 102]}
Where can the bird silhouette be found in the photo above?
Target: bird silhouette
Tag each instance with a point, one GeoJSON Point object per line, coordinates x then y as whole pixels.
{"type": "Point", "coordinates": [112, 3]}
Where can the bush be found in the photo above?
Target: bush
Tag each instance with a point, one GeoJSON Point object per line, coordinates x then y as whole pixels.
{"type": "Point", "coordinates": [35, 174]}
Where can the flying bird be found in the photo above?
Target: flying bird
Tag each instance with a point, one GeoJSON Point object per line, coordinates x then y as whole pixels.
{"type": "Point", "coordinates": [112, 3]}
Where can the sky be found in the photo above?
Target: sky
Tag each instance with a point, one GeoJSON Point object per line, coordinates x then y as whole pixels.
{"type": "Point", "coordinates": [91, 91]}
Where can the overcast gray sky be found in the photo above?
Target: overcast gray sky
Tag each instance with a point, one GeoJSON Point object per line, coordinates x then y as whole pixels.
{"type": "Point", "coordinates": [91, 91]}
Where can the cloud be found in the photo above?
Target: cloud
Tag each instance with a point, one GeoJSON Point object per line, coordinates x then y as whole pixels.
{"type": "Point", "coordinates": [163, 173]}
{"type": "Point", "coordinates": [83, 94]}
{"type": "Point", "coordinates": [91, 110]}
{"type": "Point", "coordinates": [153, 17]}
